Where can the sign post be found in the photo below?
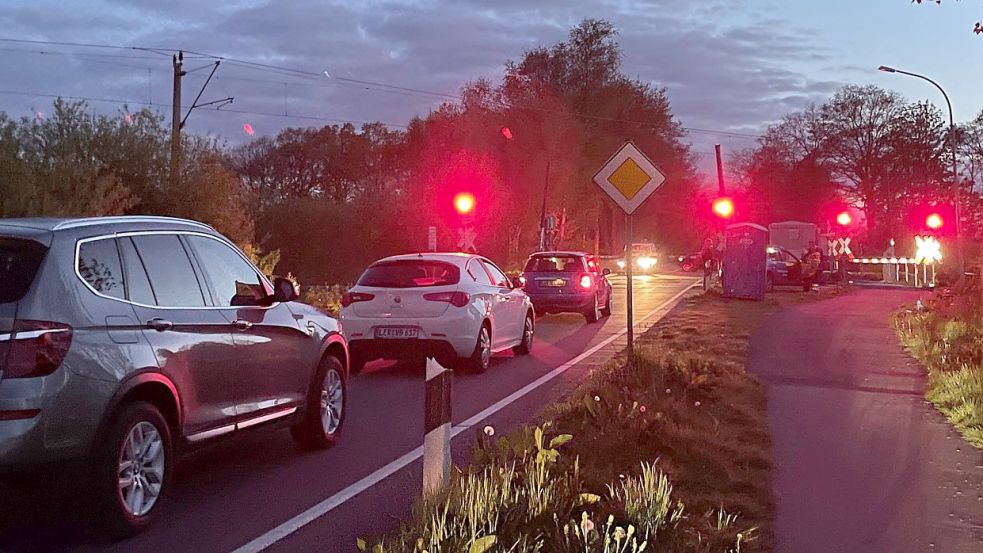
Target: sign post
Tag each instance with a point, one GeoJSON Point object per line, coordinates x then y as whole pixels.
{"type": "Point", "coordinates": [629, 178]}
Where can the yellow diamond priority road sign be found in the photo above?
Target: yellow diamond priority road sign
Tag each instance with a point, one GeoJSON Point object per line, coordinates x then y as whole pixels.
{"type": "Point", "coordinates": [629, 178]}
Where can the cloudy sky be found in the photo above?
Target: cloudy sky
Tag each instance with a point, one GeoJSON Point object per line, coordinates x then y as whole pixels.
{"type": "Point", "coordinates": [730, 66]}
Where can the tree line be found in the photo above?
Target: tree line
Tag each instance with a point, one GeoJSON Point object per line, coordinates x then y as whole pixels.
{"type": "Point", "coordinates": [329, 200]}
{"type": "Point", "coordinates": [869, 150]}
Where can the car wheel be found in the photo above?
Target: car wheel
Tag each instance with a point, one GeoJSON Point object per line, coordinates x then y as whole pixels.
{"type": "Point", "coordinates": [325, 416]}
{"type": "Point", "coordinates": [133, 469]}
{"type": "Point", "coordinates": [481, 357]}
{"type": "Point", "coordinates": [606, 310]}
{"type": "Point", "coordinates": [528, 329]}
{"type": "Point", "coordinates": [593, 313]}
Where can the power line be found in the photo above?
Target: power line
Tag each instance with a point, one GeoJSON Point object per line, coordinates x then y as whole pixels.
{"type": "Point", "coordinates": [221, 110]}
{"type": "Point", "coordinates": [371, 85]}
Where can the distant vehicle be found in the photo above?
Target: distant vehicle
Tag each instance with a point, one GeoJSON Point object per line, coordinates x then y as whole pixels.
{"type": "Point", "coordinates": [690, 263]}
{"type": "Point", "coordinates": [784, 268]}
{"type": "Point", "coordinates": [124, 340]}
{"type": "Point", "coordinates": [459, 308]}
{"type": "Point", "coordinates": [567, 282]}
{"type": "Point", "coordinates": [643, 256]}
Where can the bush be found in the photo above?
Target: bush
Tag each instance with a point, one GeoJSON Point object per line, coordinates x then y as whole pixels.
{"type": "Point", "coordinates": [946, 335]}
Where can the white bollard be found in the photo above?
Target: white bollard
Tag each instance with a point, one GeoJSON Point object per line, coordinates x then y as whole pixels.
{"type": "Point", "coordinates": [437, 428]}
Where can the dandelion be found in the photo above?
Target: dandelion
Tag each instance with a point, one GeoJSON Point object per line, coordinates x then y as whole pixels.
{"type": "Point", "coordinates": [697, 404]}
{"type": "Point", "coordinates": [619, 533]}
{"type": "Point", "coordinates": [669, 391]}
{"type": "Point", "coordinates": [621, 476]}
{"type": "Point", "coordinates": [642, 409]}
{"type": "Point", "coordinates": [489, 430]}
{"type": "Point", "coordinates": [597, 398]}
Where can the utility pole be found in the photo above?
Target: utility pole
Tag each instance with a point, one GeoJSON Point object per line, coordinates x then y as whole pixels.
{"type": "Point", "coordinates": [720, 172]}
{"type": "Point", "coordinates": [178, 62]}
{"type": "Point", "coordinates": [542, 212]}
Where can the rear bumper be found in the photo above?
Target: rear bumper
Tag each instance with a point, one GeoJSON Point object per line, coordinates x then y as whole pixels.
{"type": "Point", "coordinates": [374, 348]}
{"type": "Point", "coordinates": [69, 408]}
{"type": "Point", "coordinates": [557, 303]}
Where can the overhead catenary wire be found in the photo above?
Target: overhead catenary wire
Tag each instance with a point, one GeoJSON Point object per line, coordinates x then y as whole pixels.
{"type": "Point", "coordinates": [362, 83]}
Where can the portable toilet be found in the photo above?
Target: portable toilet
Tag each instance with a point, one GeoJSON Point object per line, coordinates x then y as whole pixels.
{"type": "Point", "coordinates": [745, 261]}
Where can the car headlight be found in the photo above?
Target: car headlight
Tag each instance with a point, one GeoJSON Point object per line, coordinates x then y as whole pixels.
{"type": "Point", "coordinates": [621, 264]}
{"type": "Point", "coordinates": [681, 258]}
{"type": "Point", "coordinates": [646, 262]}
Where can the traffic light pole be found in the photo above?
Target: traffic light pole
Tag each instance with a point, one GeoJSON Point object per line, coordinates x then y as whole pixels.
{"type": "Point", "coordinates": [628, 271]}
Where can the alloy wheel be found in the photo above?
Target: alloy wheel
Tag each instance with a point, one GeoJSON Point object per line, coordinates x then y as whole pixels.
{"type": "Point", "coordinates": [140, 469]}
{"type": "Point", "coordinates": [332, 401]}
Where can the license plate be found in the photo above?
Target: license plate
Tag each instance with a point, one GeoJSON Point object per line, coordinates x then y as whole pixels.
{"type": "Point", "coordinates": [397, 332]}
{"type": "Point", "coordinates": [558, 283]}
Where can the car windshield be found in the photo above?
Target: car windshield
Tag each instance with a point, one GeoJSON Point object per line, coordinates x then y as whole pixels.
{"type": "Point", "coordinates": [410, 273]}
{"type": "Point", "coordinates": [19, 261]}
{"type": "Point", "coordinates": [555, 264]}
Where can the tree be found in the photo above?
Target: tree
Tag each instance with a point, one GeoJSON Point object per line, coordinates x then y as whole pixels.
{"type": "Point", "coordinates": [866, 145]}
{"type": "Point", "coordinates": [977, 28]}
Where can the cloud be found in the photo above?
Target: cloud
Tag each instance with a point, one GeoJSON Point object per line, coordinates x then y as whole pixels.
{"type": "Point", "coordinates": [724, 65]}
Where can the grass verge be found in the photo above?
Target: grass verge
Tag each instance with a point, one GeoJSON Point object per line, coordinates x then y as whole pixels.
{"type": "Point", "coordinates": [946, 335]}
{"type": "Point", "coordinates": [666, 451]}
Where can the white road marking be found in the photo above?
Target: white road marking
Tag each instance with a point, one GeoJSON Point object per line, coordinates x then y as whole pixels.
{"type": "Point", "coordinates": [317, 511]}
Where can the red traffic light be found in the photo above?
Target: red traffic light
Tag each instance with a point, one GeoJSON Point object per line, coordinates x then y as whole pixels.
{"type": "Point", "coordinates": [844, 219]}
{"type": "Point", "coordinates": [507, 133]}
{"type": "Point", "coordinates": [934, 221]}
{"type": "Point", "coordinates": [723, 208]}
{"type": "Point", "coordinates": [464, 203]}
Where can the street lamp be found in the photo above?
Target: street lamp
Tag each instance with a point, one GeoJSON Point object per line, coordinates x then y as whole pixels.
{"type": "Point", "coordinates": [955, 171]}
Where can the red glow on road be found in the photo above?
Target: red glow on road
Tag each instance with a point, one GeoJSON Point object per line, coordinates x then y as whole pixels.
{"type": "Point", "coordinates": [844, 218]}
{"type": "Point", "coordinates": [934, 221]}
{"type": "Point", "coordinates": [464, 203]}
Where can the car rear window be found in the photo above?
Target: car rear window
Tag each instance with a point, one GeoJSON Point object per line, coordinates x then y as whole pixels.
{"type": "Point", "coordinates": [19, 262]}
{"type": "Point", "coordinates": [410, 273]}
{"type": "Point", "coordinates": [555, 264]}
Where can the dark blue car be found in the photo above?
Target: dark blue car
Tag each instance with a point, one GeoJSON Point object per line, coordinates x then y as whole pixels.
{"type": "Point", "coordinates": [567, 282]}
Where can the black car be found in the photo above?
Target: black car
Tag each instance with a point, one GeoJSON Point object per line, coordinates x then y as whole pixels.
{"type": "Point", "coordinates": [690, 263]}
{"type": "Point", "coordinates": [567, 282]}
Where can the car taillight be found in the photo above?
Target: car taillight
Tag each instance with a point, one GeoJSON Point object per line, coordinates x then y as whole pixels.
{"type": "Point", "coordinates": [37, 348]}
{"type": "Point", "coordinates": [457, 299]}
{"type": "Point", "coordinates": [586, 281]}
{"type": "Point", "coordinates": [355, 297]}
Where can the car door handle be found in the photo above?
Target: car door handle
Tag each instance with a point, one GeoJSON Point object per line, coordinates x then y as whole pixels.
{"type": "Point", "coordinates": [241, 324]}
{"type": "Point", "coordinates": [160, 325]}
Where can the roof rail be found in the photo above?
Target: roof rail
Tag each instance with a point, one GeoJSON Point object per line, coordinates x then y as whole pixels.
{"type": "Point", "coordinates": [93, 221]}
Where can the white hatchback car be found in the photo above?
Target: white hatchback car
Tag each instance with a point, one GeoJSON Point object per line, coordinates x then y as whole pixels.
{"type": "Point", "coordinates": [457, 307]}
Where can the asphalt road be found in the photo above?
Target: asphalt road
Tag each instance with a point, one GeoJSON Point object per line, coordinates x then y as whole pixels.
{"type": "Point", "coordinates": [863, 463]}
{"type": "Point", "coordinates": [237, 496]}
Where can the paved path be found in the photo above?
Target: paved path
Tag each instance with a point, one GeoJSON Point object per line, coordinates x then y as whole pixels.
{"type": "Point", "coordinates": [863, 463]}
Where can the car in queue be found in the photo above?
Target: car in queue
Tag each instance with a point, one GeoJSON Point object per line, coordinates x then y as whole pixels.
{"type": "Point", "coordinates": [644, 259]}
{"type": "Point", "coordinates": [456, 307]}
{"type": "Point", "coordinates": [567, 282]}
{"type": "Point", "coordinates": [127, 340]}
{"type": "Point", "coordinates": [784, 268]}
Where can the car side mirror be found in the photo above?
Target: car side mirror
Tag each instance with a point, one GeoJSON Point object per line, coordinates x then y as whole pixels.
{"type": "Point", "coordinates": [606, 271]}
{"type": "Point", "coordinates": [284, 290]}
{"type": "Point", "coordinates": [516, 281]}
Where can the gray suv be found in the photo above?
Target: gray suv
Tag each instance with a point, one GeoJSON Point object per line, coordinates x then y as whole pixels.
{"type": "Point", "coordinates": [124, 340]}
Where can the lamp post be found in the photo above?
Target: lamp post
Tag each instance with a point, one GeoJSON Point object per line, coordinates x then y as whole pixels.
{"type": "Point", "coordinates": [955, 170]}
